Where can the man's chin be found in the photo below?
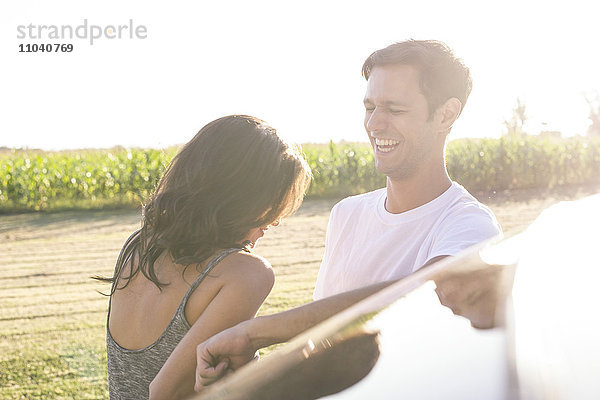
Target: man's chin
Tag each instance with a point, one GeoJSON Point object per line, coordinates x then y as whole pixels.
{"type": "Point", "coordinates": [395, 174]}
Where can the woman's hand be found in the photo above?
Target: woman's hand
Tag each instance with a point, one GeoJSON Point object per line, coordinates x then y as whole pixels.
{"type": "Point", "coordinates": [223, 353]}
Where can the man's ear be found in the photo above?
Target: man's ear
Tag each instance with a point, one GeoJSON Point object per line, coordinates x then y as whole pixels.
{"type": "Point", "coordinates": [447, 113]}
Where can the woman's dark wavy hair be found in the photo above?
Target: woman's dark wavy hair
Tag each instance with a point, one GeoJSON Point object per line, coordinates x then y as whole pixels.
{"type": "Point", "coordinates": [235, 175]}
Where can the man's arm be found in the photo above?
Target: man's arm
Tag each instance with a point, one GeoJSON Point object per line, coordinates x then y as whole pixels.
{"type": "Point", "coordinates": [473, 292]}
{"type": "Point", "coordinates": [235, 346]}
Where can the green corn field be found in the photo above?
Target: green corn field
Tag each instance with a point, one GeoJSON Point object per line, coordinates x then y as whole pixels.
{"type": "Point", "coordinates": [92, 179]}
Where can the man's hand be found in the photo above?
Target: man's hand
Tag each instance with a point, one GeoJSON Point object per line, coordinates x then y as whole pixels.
{"type": "Point", "coordinates": [221, 354]}
{"type": "Point", "coordinates": [479, 295]}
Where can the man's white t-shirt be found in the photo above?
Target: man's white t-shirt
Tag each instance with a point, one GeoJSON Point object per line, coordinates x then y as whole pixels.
{"type": "Point", "coordinates": [366, 244]}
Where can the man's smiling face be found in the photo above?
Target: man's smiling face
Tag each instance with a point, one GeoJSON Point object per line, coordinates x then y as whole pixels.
{"type": "Point", "coordinates": [397, 121]}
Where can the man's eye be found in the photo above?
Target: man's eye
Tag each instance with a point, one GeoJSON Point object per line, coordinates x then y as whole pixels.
{"type": "Point", "coordinates": [369, 109]}
{"type": "Point", "coordinates": [396, 112]}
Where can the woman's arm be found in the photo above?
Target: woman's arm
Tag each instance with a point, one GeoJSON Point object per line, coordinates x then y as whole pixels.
{"type": "Point", "coordinates": [236, 346]}
{"type": "Point", "coordinates": [247, 280]}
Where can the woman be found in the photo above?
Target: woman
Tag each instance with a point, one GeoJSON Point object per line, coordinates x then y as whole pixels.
{"type": "Point", "coordinates": [188, 273]}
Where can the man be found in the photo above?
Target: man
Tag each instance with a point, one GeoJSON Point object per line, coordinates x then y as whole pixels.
{"type": "Point", "coordinates": [415, 92]}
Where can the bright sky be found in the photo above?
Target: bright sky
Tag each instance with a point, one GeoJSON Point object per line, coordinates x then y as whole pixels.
{"type": "Point", "coordinates": [296, 65]}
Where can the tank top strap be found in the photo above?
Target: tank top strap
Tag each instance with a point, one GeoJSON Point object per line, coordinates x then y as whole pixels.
{"type": "Point", "coordinates": [211, 264]}
{"type": "Point", "coordinates": [134, 236]}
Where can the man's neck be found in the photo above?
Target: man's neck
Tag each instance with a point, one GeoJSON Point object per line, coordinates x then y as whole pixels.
{"type": "Point", "coordinates": [406, 194]}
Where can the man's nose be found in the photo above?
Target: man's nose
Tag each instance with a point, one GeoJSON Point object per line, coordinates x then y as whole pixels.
{"type": "Point", "coordinates": [376, 121]}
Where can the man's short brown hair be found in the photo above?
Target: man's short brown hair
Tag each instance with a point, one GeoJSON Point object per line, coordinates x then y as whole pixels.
{"type": "Point", "coordinates": [443, 75]}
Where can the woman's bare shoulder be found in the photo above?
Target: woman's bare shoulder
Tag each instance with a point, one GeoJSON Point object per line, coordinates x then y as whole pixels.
{"type": "Point", "coordinates": [246, 267]}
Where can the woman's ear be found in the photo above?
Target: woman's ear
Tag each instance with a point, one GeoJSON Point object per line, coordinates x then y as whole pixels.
{"type": "Point", "coordinates": [448, 113]}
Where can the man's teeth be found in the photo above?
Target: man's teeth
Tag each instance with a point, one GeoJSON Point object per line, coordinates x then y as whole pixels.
{"type": "Point", "coordinates": [385, 142]}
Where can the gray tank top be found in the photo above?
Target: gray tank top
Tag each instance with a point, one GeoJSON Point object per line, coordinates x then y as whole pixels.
{"type": "Point", "coordinates": [131, 371]}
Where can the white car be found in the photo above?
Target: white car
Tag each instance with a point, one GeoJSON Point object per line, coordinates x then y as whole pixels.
{"type": "Point", "coordinates": [537, 291]}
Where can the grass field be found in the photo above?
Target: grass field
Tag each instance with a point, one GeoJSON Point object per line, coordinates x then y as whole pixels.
{"type": "Point", "coordinates": [52, 320]}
